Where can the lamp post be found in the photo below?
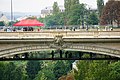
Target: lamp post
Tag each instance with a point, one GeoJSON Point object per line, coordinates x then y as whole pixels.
{"type": "Point", "coordinates": [87, 20]}
{"type": "Point", "coordinates": [87, 13]}
{"type": "Point", "coordinates": [82, 16]}
{"type": "Point", "coordinates": [11, 15]}
{"type": "Point", "coordinates": [78, 22]}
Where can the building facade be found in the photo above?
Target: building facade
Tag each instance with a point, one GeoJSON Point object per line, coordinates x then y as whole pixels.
{"type": "Point", "coordinates": [49, 11]}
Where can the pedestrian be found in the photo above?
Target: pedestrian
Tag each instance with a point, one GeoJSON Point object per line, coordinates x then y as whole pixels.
{"type": "Point", "coordinates": [111, 29]}
{"type": "Point", "coordinates": [38, 29]}
{"type": "Point", "coordinates": [73, 28]}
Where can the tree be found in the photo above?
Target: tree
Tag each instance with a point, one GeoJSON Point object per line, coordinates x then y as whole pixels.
{"type": "Point", "coordinates": [8, 71]}
{"type": "Point", "coordinates": [98, 70]}
{"type": "Point", "coordinates": [3, 66]}
{"type": "Point", "coordinates": [57, 19]}
{"type": "Point", "coordinates": [83, 11]}
{"type": "Point", "coordinates": [61, 68]}
{"type": "Point", "coordinates": [32, 69]}
{"type": "Point", "coordinates": [100, 5]}
{"type": "Point", "coordinates": [74, 14]}
{"type": "Point", "coordinates": [115, 71]}
{"type": "Point", "coordinates": [82, 69]}
{"type": "Point", "coordinates": [46, 73]}
{"type": "Point", "coordinates": [71, 11]}
{"type": "Point", "coordinates": [12, 71]}
{"type": "Point", "coordinates": [55, 8]}
{"type": "Point", "coordinates": [111, 13]}
{"type": "Point", "coordinates": [19, 73]}
{"type": "Point", "coordinates": [41, 76]}
{"type": "Point", "coordinates": [67, 4]}
{"type": "Point", "coordinates": [93, 19]}
{"type": "Point", "coordinates": [106, 17]}
{"type": "Point", "coordinates": [92, 70]}
{"type": "Point", "coordinates": [2, 23]}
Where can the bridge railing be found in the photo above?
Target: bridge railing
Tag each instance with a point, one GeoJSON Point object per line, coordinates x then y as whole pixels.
{"type": "Point", "coordinates": [66, 34]}
{"type": "Point", "coordinates": [93, 34]}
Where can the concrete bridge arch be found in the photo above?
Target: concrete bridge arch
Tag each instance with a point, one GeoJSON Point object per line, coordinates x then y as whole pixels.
{"type": "Point", "coordinates": [69, 47]}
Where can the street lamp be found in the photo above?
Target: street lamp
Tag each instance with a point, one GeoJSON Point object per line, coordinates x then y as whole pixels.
{"type": "Point", "coordinates": [78, 21]}
{"type": "Point", "coordinates": [11, 14]}
{"type": "Point", "coordinates": [82, 16]}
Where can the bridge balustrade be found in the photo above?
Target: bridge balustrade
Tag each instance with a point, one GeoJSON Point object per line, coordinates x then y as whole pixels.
{"type": "Point", "coordinates": [66, 34]}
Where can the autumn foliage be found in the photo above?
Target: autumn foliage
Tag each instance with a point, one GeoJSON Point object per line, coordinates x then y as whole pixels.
{"type": "Point", "coordinates": [67, 77]}
{"type": "Point", "coordinates": [111, 13]}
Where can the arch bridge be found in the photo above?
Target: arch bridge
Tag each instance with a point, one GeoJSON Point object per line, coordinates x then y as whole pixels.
{"type": "Point", "coordinates": [98, 42]}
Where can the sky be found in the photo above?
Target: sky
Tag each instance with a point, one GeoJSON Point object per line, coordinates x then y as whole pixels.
{"type": "Point", "coordinates": [36, 5]}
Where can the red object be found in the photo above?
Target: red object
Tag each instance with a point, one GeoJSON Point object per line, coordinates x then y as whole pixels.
{"type": "Point", "coordinates": [28, 22]}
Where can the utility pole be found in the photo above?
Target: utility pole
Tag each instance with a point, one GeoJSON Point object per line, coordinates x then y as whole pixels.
{"type": "Point", "coordinates": [11, 15]}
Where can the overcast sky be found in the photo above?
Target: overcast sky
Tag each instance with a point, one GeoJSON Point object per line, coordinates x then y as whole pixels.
{"type": "Point", "coordinates": [36, 5]}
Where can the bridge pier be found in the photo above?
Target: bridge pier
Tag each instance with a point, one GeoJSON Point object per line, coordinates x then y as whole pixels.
{"type": "Point", "coordinates": [66, 54]}
{"type": "Point", "coordinates": [61, 53]}
{"type": "Point", "coordinates": [52, 53]}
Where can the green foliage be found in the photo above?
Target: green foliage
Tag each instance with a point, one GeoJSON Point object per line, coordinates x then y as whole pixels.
{"type": "Point", "coordinates": [40, 54]}
{"type": "Point", "coordinates": [115, 71]}
{"type": "Point", "coordinates": [74, 14]}
{"type": "Point", "coordinates": [72, 11]}
{"type": "Point", "coordinates": [57, 19]}
{"type": "Point", "coordinates": [100, 5]}
{"type": "Point", "coordinates": [2, 23]}
{"type": "Point", "coordinates": [93, 19]}
{"type": "Point", "coordinates": [69, 3]}
{"type": "Point", "coordinates": [54, 70]}
{"type": "Point", "coordinates": [12, 72]}
{"type": "Point", "coordinates": [32, 69]}
{"type": "Point", "coordinates": [61, 68]}
{"type": "Point", "coordinates": [56, 9]}
{"type": "Point", "coordinates": [9, 70]}
{"type": "Point", "coordinates": [19, 73]}
{"type": "Point", "coordinates": [82, 70]}
{"type": "Point", "coordinates": [41, 19]}
{"type": "Point", "coordinates": [3, 66]}
{"type": "Point", "coordinates": [46, 73]}
{"type": "Point", "coordinates": [41, 76]}
{"type": "Point", "coordinates": [97, 70]}
{"type": "Point", "coordinates": [11, 23]}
